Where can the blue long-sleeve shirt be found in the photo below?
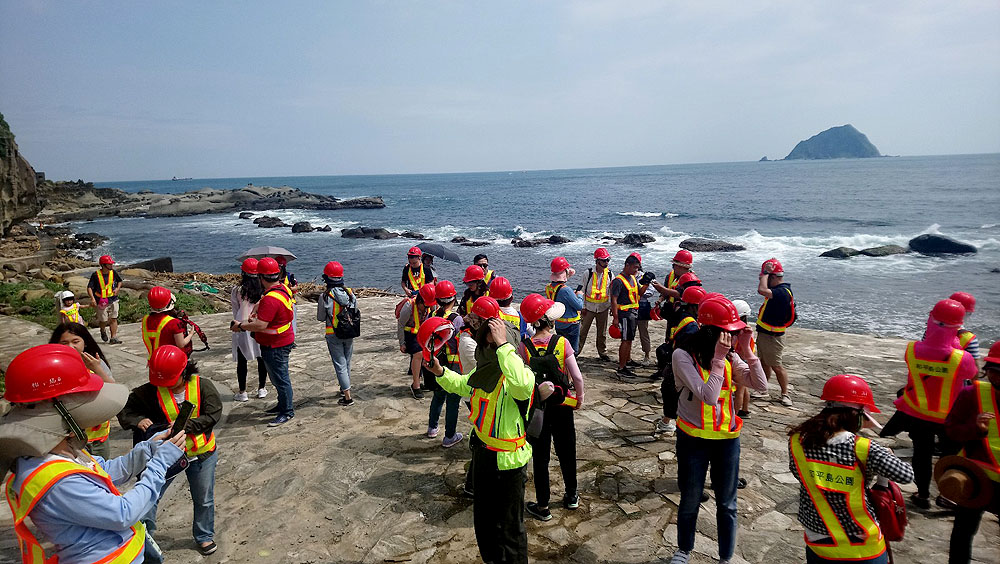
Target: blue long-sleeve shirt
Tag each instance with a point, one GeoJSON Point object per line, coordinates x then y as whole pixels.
{"type": "Point", "coordinates": [567, 297]}
{"type": "Point", "coordinates": [82, 518]}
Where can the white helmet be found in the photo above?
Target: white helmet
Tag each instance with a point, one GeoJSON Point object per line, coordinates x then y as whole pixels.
{"type": "Point", "coordinates": [742, 308]}
{"type": "Point", "coordinates": [64, 294]}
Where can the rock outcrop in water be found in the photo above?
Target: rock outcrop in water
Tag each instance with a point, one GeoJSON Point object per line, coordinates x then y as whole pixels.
{"type": "Point", "coordinates": [939, 245]}
{"type": "Point", "coordinates": [697, 244]}
{"type": "Point", "coordinates": [843, 142]}
{"type": "Point", "coordinates": [18, 194]}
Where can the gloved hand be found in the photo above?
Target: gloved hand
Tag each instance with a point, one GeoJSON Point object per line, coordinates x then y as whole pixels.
{"type": "Point", "coordinates": [647, 278]}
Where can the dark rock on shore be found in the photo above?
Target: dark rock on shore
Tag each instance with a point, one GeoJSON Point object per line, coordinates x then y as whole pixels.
{"type": "Point", "coordinates": [246, 215]}
{"type": "Point", "coordinates": [302, 227]}
{"type": "Point", "coordinates": [697, 244]}
{"type": "Point", "coordinates": [413, 235]}
{"type": "Point", "coordinates": [551, 240]}
{"type": "Point", "coordinates": [162, 264]}
{"type": "Point", "coordinates": [269, 222]}
{"type": "Point", "coordinates": [324, 228]}
{"type": "Point", "coordinates": [463, 241]}
{"type": "Point", "coordinates": [636, 239]}
{"type": "Point", "coordinates": [940, 245]}
{"type": "Point", "coordinates": [843, 142]}
{"type": "Point", "coordinates": [367, 233]}
{"type": "Point", "coordinates": [841, 253]}
{"type": "Point", "coordinates": [884, 251]}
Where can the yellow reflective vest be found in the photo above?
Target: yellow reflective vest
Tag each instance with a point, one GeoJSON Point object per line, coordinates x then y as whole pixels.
{"type": "Point", "coordinates": [551, 291]}
{"type": "Point", "coordinates": [931, 386]}
{"type": "Point", "coordinates": [632, 285]}
{"type": "Point", "coordinates": [714, 426]}
{"type": "Point", "coordinates": [194, 444]}
{"type": "Point", "coordinates": [597, 287]}
{"type": "Point", "coordinates": [107, 287]}
{"type": "Point", "coordinates": [72, 312]}
{"type": "Point", "coordinates": [988, 404]}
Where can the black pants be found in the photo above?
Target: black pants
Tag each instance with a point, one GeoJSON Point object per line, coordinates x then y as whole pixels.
{"type": "Point", "coordinates": [668, 387]}
{"type": "Point", "coordinates": [922, 434]}
{"type": "Point", "coordinates": [557, 428]}
{"type": "Point", "coordinates": [964, 530]}
{"type": "Point", "coordinates": [498, 509]}
{"type": "Point", "coordinates": [241, 371]}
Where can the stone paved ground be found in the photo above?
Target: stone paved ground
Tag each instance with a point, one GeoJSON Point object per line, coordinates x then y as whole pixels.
{"type": "Point", "coordinates": [363, 484]}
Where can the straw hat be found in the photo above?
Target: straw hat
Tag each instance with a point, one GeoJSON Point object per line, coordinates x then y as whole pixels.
{"type": "Point", "coordinates": [961, 480]}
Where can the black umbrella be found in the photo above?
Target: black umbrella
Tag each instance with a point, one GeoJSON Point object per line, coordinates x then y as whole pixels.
{"type": "Point", "coordinates": [440, 252]}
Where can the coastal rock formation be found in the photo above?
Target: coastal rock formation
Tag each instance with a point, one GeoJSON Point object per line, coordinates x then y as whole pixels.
{"type": "Point", "coordinates": [636, 240]}
{"type": "Point", "coordinates": [162, 264]}
{"type": "Point", "coordinates": [302, 227]}
{"type": "Point", "coordinates": [843, 142]}
{"type": "Point", "coordinates": [367, 233]}
{"type": "Point", "coordinates": [324, 228]}
{"type": "Point", "coordinates": [697, 244]}
{"type": "Point", "coordinates": [413, 235]}
{"type": "Point", "coordinates": [884, 251]}
{"type": "Point", "coordinates": [841, 253]}
{"type": "Point", "coordinates": [269, 222]}
{"type": "Point", "coordinates": [246, 215]}
{"type": "Point", "coordinates": [467, 243]}
{"type": "Point", "coordinates": [551, 240]}
{"type": "Point", "coordinates": [18, 193]}
{"type": "Point", "coordinates": [939, 245]}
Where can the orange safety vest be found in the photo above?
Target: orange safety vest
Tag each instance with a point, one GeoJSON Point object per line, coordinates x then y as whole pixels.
{"type": "Point", "coordinates": [334, 323]}
{"type": "Point", "coordinates": [932, 386]}
{"type": "Point", "coordinates": [597, 289]}
{"type": "Point", "coordinates": [672, 283]}
{"type": "Point", "coordinates": [286, 300]}
{"type": "Point", "coordinates": [560, 353]}
{"type": "Point", "coordinates": [415, 328]}
{"type": "Point", "coordinates": [818, 476]}
{"type": "Point", "coordinates": [988, 404]}
{"type": "Point", "coordinates": [777, 328]}
{"type": "Point", "coordinates": [107, 289]}
{"type": "Point", "coordinates": [712, 426]}
{"type": "Point", "coordinates": [72, 312]}
{"type": "Point", "coordinates": [550, 293]}
{"type": "Point", "coordinates": [633, 292]}
{"type": "Point", "coordinates": [36, 485]}
{"type": "Point", "coordinates": [418, 282]}
{"type": "Point", "coordinates": [486, 419]}
{"type": "Point", "coordinates": [194, 444]}
{"type": "Point", "coordinates": [684, 323]}
{"type": "Point", "coordinates": [151, 337]}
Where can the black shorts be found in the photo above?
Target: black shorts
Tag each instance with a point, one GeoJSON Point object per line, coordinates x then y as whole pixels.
{"type": "Point", "coordinates": [411, 344]}
{"type": "Point", "coordinates": [627, 323]}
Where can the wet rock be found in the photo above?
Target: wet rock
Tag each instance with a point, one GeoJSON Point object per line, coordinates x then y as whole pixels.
{"type": "Point", "coordinates": [697, 244]}
{"type": "Point", "coordinates": [324, 228]}
{"type": "Point", "coordinates": [413, 235]}
{"type": "Point", "coordinates": [551, 240]}
{"type": "Point", "coordinates": [558, 240]}
{"type": "Point", "coordinates": [884, 251]}
{"type": "Point", "coordinates": [521, 243]}
{"type": "Point", "coordinates": [269, 222]}
{"type": "Point", "coordinates": [636, 239]}
{"type": "Point", "coordinates": [90, 240]}
{"type": "Point", "coordinates": [474, 243]}
{"type": "Point", "coordinates": [458, 239]}
{"type": "Point", "coordinates": [995, 271]}
{"type": "Point", "coordinates": [367, 233]}
{"type": "Point", "coordinates": [246, 215]}
{"type": "Point", "coordinates": [841, 253]}
{"type": "Point", "coordinates": [939, 245]}
{"type": "Point", "coordinates": [162, 264]}
{"type": "Point", "coordinates": [302, 227]}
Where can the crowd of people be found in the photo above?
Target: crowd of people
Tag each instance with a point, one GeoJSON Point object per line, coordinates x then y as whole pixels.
{"type": "Point", "coordinates": [519, 372]}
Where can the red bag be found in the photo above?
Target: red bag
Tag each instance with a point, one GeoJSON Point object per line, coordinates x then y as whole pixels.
{"type": "Point", "coordinates": [890, 507]}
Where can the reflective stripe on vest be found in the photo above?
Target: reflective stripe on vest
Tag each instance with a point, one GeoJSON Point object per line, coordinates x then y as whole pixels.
{"type": "Point", "coordinates": [684, 323]}
{"type": "Point", "coordinates": [333, 323]}
{"type": "Point", "coordinates": [818, 476]}
{"type": "Point", "coordinates": [288, 288]}
{"type": "Point", "coordinates": [550, 293]}
{"type": "Point", "coordinates": [597, 290]}
{"type": "Point", "coordinates": [514, 320]}
{"type": "Point", "coordinates": [418, 282]}
{"type": "Point", "coordinates": [99, 433]}
{"type": "Point", "coordinates": [931, 386]}
{"type": "Point", "coordinates": [286, 300]}
{"type": "Point", "coordinates": [152, 338]}
{"type": "Point", "coordinates": [107, 290]}
{"type": "Point", "coordinates": [965, 337]}
{"type": "Point", "coordinates": [488, 277]}
{"type": "Point", "coordinates": [777, 328]}
{"type": "Point", "coordinates": [991, 442]}
{"type": "Point", "coordinates": [560, 353]}
{"type": "Point", "coordinates": [672, 284]}
{"type": "Point", "coordinates": [415, 328]}
{"type": "Point", "coordinates": [194, 444]}
{"type": "Point", "coordinates": [709, 427]}
{"type": "Point", "coordinates": [485, 419]}
{"type": "Point", "coordinates": [36, 485]}
{"type": "Point", "coordinates": [72, 312]}
{"type": "Point", "coordinates": [633, 292]}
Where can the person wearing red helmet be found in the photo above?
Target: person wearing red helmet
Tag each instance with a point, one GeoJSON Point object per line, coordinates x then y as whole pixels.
{"type": "Point", "coordinates": [569, 324]}
{"type": "Point", "coordinates": [273, 330]}
{"type": "Point", "coordinates": [161, 326]}
{"type": "Point", "coordinates": [936, 369]}
{"type": "Point", "coordinates": [475, 288]}
{"type": "Point", "coordinates": [776, 314]}
{"type": "Point", "coordinates": [687, 308]}
{"type": "Point", "coordinates": [76, 335]}
{"type": "Point", "coordinates": [243, 300]}
{"type": "Point", "coordinates": [291, 286]}
{"type": "Point", "coordinates": [411, 314]}
{"type": "Point", "coordinates": [339, 339]}
{"type": "Point", "coordinates": [501, 290]}
{"type": "Point", "coordinates": [482, 261]}
{"type": "Point", "coordinates": [414, 273]}
{"type": "Point", "coordinates": [625, 292]}
{"type": "Point", "coordinates": [833, 464]}
{"type": "Point", "coordinates": [597, 302]}
{"type": "Point", "coordinates": [103, 291]}
{"type": "Point", "coordinates": [974, 423]}
{"type": "Point", "coordinates": [680, 265]}
{"type": "Point", "coordinates": [450, 357]}
{"type": "Point", "coordinates": [706, 371]}
{"type": "Point", "coordinates": [174, 378]}
{"type": "Point", "coordinates": [967, 339]}
{"type": "Point", "coordinates": [70, 497]}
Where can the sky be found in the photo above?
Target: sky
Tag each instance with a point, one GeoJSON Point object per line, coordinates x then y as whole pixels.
{"type": "Point", "coordinates": [145, 90]}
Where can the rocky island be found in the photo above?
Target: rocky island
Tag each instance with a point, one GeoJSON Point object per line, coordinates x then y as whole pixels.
{"type": "Point", "coordinates": [843, 142]}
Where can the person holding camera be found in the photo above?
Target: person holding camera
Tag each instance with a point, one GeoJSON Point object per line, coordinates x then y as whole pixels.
{"type": "Point", "coordinates": [154, 406]}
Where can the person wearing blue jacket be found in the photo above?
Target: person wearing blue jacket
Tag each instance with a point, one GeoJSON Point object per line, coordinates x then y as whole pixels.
{"type": "Point", "coordinates": [568, 325]}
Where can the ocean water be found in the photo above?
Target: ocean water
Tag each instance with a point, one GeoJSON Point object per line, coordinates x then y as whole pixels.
{"type": "Point", "coordinates": [791, 210]}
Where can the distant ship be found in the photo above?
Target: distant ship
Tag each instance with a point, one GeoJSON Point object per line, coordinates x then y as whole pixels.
{"type": "Point", "coordinates": [175, 178]}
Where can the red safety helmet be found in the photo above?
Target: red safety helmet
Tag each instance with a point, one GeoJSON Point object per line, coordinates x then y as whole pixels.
{"type": "Point", "coordinates": [775, 266]}
{"type": "Point", "coordinates": [166, 366]}
{"type": "Point", "coordinates": [847, 388]}
{"type": "Point", "coordinates": [500, 288]}
{"type": "Point", "coordinates": [721, 313]}
{"type": "Point", "coordinates": [994, 354]}
{"type": "Point", "coordinates": [428, 295]}
{"type": "Point", "coordinates": [602, 254]}
{"type": "Point", "coordinates": [966, 299]}
{"type": "Point", "coordinates": [249, 266]}
{"type": "Point", "coordinates": [434, 332]}
{"type": "Point", "coordinates": [474, 272]}
{"type": "Point", "coordinates": [713, 295]}
{"type": "Point", "coordinates": [654, 314]}
{"type": "Point", "coordinates": [615, 332]}
{"type": "Point", "coordinates": [486, 307]}
{"type": "Point", "coordinates": [637, 256]}
{"type": "Point", "coordinates": [949, 313]}
{"type": "Point", "coordinates": [559, 264]}
{"type": "Point", "coordinates": [334, 269]}
{"type": "Point", "coordinates": [105, 259]}
{"type": "Point", "coordinates": [444, 290]}
{"type": "Point", "coordinates": [46, 372]}
{"type": "Point", "coordinates": [415, 252]}
{"type": "Point", "coordinates": [694, 295]}
{"type": "Point", "coordinates": [688, 278]}
{"type": "Point", "coordinates": [268, 266]}
{"type": "Point", "coordinates": [684, 258]}
{"type": "Point", "coordinates": [534, 306]}
{"type": "Point", "coordinates": [159, 299]}
{"type": "Point", "coordinates": [282, 261]}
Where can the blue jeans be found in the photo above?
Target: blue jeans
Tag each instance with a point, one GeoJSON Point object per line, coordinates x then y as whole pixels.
{"type": "Point", "coordinates": [340, 353]}
{"type": "Point", "coordinates": [811, 558]}
{"type": "Point", "coordinates": [201, 481]}
{"type": "Point", "coordinates": [276, 360]}
{"type": "Point", "coordinates": [572, 333]}
{"type": "Point", "coordinates": [694, 456]}
{"type": "Point", "coordinates": [440, 398]}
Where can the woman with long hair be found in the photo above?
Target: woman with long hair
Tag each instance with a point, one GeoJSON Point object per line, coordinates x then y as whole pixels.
{"type": "Point", "coordinates": [244, 301]}
{"type": "Point", "coordinates": [76, 336]}
{"type": "Point", "coordinates": [833, 465]}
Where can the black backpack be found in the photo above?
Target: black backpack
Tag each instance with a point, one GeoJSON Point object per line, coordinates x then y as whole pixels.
{"type": "Point", "coordinates": [545, 365]}
{"type": "Point", "coordinates": [348, 319]}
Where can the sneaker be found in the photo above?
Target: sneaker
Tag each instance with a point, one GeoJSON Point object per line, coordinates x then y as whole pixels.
{"type": "Point", "coordinates": [417, 393]}
{"type": "Point", "coordinates": [656, 376]}
{"type": "Point", "coordinates": [921, 501]}
{"type": "Point", "coordinates": [626, 373]}
{"type": "Point", "coordinates": [104, 335]}
{"type": "Point", "coordinates": [661, 427]}
{"type": "Point", "coordinates": [114, 341]}
{"type": "Point", "coordinates": [571, 501]}
{"type": "Point", "coordinates": [280, 420]}
{"type": "Point", "coordinates": [604, 357]}
{"type": "Point", "coordinates": [632, 363]}
{"type": "Point", "coordinates": [242, 396]}
{"type": "Point", "coordinates": [261, 393]}
{"type": "Point", "coordinates": [432, 432]}
{"type": "Point", "coordinates": [345, 401]}
{"type": "Point", "coordinates": [207, 549]}
{"type": "Point", "coordinates": [680, 557]}
{"type": "Point", "coordinates": [540, 513]}
{"type": "Point", "coordinates": [454, 440]}
{"type": "Point", "coordinates": [754, 394]}
{"type": "Point", "coordinates": [786, 401]}
{"type": "Point", "coordinates": [743, 414]}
